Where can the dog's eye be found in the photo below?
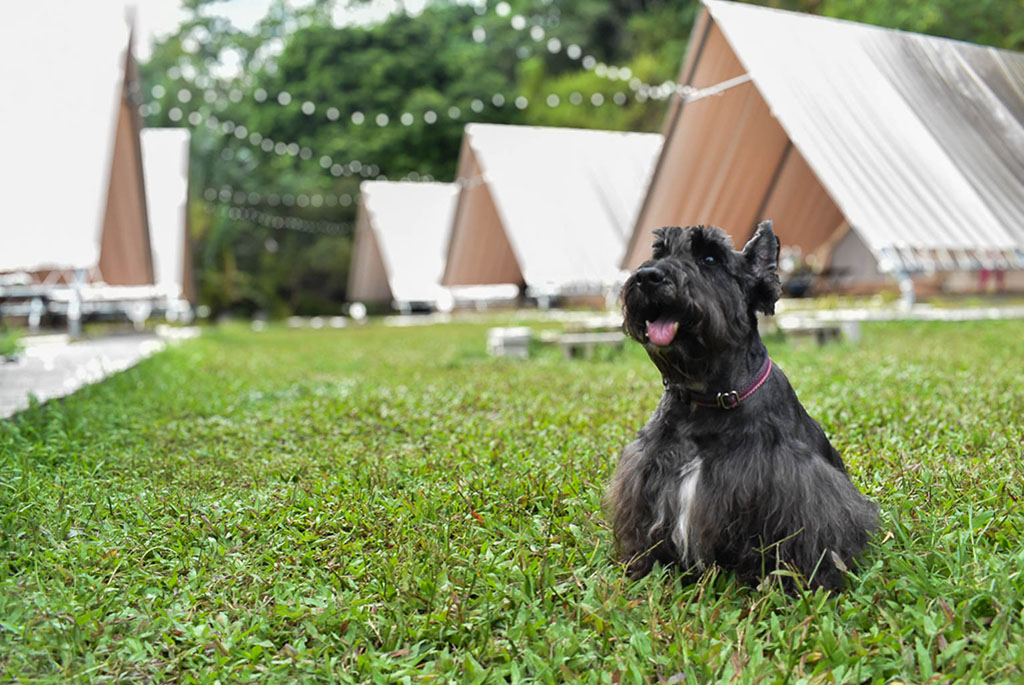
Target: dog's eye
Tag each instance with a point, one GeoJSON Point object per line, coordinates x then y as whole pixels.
{"type": "Point", "coordinates": [709, 260]}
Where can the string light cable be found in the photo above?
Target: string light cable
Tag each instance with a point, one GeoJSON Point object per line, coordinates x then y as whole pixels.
{"type": "Point", "coordinates": [228, 195]}
{"type": "Point", "coordinates": [338, 168]}
{"type": "Point", "coordinates": [643, 91]}
{"type": "Point", "coordinates": [279, 222]}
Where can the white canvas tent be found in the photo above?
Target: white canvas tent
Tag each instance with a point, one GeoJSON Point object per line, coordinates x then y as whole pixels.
{"type": "Point", "coordinates": [880, 151]}
{"type": "Point", "coordinates": [548, 209]}
{"type": "Point", "coordinates": [401, 233]}
{"type": "Point", "coordinates": [165, 157]}
{"type": "Point", "coordinates": [70, 172]}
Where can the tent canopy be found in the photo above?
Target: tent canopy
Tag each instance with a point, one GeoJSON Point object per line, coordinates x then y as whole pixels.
{"type": "Point", "coordinates": [66, 69]}
{"type": "Point", "coordinates": [165, 158]}
{"type": "Point", "coordinates": [400, 241]}
{"type": "Point", "coordinates": [556, 204]}
{"type": "Point", "coordinates": [914, 143]}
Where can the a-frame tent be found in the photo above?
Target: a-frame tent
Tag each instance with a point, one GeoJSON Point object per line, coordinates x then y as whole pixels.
{"type": "Point", "coordinates": [401, 234]}
{"type": "Point", "coordinates": [73, 192]}
{"type": "Point", "coordinates": [882, 153]}
{"type": "Point", "coordinates": [165, 157]}
{"type": "Point", "coordinates": [548, 209]}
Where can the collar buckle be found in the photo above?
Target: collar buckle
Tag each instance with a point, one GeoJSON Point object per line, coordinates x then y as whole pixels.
{"type": "Point", "coordinates": [728, 400]}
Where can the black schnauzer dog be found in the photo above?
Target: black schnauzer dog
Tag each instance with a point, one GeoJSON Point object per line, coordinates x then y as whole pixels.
{"type": "Point", "coordinates": [730, 470]}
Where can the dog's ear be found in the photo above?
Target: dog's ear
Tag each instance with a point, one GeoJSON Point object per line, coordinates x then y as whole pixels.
{"type": "Point", "coordinates": [761, 255]}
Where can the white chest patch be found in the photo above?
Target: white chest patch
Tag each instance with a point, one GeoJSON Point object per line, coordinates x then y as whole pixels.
{"type": "Point", "coordinates": [682, 536]}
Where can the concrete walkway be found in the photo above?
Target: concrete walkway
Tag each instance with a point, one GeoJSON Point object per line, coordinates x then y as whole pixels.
{"type": "Point", "coordinates": [53, 366]}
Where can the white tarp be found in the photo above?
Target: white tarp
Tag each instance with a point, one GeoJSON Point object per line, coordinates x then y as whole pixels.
{"type": "Point", "coordinates": [567, 198]}
{"type": "Point", "coordinates": [165, 169]}
{"type": "Point", "coordinates": [919, 140]}
{"type": "Point", "coordinates": [411, 222]}
{"type": "Point", "coordinates": [63, 69]}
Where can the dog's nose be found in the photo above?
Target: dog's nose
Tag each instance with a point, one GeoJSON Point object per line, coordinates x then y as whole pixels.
{"type": "Point", "coordinates": [649, 276]}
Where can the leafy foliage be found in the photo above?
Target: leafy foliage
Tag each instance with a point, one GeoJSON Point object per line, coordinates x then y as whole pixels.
{"type": "Point", "coordinates": [10, 344]}
{"type": "Point", "coordinates": [379, 504]}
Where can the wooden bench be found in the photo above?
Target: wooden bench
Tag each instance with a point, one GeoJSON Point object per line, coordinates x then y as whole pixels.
{"type": "Point", "coordinates": [595, 324]}
{"type": "Point", "coordinates": [509, 342]}
{"type": "Point", "coordinates": [819, 331]}
{"type": "Point", "coordinates": [583, 344]}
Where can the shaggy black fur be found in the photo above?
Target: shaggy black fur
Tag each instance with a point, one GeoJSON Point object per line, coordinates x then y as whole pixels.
{"type": "Point", "coordinates": [751, 489]}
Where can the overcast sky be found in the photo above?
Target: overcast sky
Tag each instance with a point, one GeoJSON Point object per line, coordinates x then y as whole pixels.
{"type": "Point", "coordinates": [159, 18]}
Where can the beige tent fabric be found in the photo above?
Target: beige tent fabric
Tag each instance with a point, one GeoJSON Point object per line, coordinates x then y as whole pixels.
{"type": "Point", "coordinates": [367, 276]}
{"type": "Point", "coordinates": [126, 256]}
{"type": "Point", "coordinates": [547, 208]}
{"type": "Point", "coordinates": [401, 239]}
{"type": "Point", "coordinates": [704, 175]}
{"type": "Point", "coordinates": [478, 249]}
{"type": "Point", "coordinates": [801, 209]}
{"type": "Point", "coordinates": [915, 143]}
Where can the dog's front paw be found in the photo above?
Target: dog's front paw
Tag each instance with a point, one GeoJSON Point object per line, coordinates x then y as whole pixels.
{"type": "Point", "coordinates": [639, 565]}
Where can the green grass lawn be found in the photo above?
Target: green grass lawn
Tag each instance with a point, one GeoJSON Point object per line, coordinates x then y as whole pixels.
{"type": "Point", "coordinates": [9, 344]}
{"type": "Point", "coordinates": [382, 504]}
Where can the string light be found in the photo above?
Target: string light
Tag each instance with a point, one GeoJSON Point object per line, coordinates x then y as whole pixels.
{"type": "Point", "coordinates": [228, 194]}
{"type": "Point", "coordinates": [415, 177]}
{"type": "Point", "coordinates": [337, 168]}
{"type": "Point", "coordinates": [641, 92]}
{"type": "Point", "coordinates": [258, 141]}
{"type": "Point", "coordinates": [430, 117]}
{"type": "Point", "coordinates": [279, 222]}
{"type": "Point", "coordinates": [349, 168]}
{"type": "Point", "coordinates": [470, 182]}
{"type": "Point", "coordinates": [644, 91]}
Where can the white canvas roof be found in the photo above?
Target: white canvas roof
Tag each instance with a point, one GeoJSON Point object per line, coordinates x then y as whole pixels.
{"type": "Point", "coordinates": [165, 167]}
{"type": "Point", "coordinates": [919, 140]}
{"type": "Point", "coordinates": [567, 198]}
{"type": "Point", "coordinates": [64, 66]}
{"type": "Point", "coordinates": [410, 222]}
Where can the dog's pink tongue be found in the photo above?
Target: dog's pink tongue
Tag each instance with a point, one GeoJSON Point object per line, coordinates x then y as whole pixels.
{"type": "Point", "coordinates": [662, 331]}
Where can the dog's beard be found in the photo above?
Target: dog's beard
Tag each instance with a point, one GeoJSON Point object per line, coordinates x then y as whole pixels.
{"type": "Point", "coordinates": [686, 334]}
{"type": "Point", "coordinates": [671, 329]}
{"type": "Point", "coordinates": [660, 318]}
